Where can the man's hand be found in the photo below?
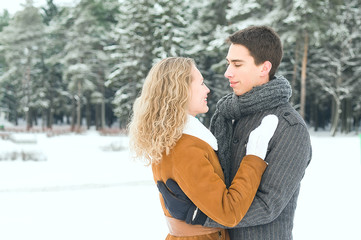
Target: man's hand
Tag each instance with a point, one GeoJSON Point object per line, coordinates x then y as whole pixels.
{"type": "Point", "coordinates": [179, 205]}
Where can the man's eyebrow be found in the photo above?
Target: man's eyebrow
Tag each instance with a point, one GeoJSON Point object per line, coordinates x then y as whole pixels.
{"type": "Point", "coordinates": [234, 60]}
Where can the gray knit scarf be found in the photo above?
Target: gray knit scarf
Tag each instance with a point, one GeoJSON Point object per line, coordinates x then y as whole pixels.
{"type": "Point", "coordinates": [233, 107]}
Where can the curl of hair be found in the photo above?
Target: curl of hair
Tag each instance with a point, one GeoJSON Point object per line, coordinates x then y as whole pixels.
{"type": "Point", "coordinates": [159, 113]}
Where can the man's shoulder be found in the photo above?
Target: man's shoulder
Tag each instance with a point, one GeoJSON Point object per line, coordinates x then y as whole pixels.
{"type": "Point", "coordinates": [289, 115]}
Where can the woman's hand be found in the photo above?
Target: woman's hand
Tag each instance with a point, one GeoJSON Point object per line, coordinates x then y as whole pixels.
{"type": "Point", "coordinates": [259, 138]}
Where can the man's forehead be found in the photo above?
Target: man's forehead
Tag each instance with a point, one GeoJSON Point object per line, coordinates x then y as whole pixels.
{"type": "Point", "coordinates": [237, 53]}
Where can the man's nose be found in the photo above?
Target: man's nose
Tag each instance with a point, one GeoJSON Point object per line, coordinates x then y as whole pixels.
{"type": "Point", "coordinates": [228, 73]}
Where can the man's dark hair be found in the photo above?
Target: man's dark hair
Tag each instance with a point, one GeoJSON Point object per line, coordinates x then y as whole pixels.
{"type": "Point", "coordinates": [263, 44]}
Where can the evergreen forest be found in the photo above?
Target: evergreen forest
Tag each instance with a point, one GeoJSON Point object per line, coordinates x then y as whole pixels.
{"type": "Point", "coordinates": [84, 65]}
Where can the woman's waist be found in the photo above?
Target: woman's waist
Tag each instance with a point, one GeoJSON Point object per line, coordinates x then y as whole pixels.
{"type": "Point", "coordinates": [182, 229]}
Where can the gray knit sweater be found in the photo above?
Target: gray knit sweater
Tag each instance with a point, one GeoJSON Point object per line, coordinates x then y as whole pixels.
{"type": "Point", "coordinates": [272, 211]}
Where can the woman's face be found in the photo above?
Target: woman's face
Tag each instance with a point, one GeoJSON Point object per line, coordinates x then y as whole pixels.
{"type": "Point", "coordinates": [199, 92]}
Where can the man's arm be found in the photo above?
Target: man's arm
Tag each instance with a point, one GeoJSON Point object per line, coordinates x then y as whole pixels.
{"type": "Point", "coordinates": [288, 159]}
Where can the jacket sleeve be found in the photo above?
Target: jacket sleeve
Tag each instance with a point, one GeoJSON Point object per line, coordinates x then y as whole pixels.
{"type": "Point", "coordinates": [197, 178]}
{"type": "Point", "coordinates": [288, 158]}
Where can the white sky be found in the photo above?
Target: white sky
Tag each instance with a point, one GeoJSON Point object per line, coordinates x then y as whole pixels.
{"type": "Point", "coordinates": [15, 5]}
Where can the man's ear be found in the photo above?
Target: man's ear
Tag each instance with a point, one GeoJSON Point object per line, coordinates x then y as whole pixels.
{"type": "Point", "coordinates": [266, 68]}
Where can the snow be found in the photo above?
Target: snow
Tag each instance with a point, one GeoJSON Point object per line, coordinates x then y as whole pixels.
{"type": "Point", "coordinates": [82, 190]}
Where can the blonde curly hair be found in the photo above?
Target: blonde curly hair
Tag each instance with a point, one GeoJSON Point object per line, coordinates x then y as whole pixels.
{"type": "Point", "coordinates": [160, 113]}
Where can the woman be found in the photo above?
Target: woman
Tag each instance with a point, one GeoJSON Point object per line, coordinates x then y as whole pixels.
{"type": "Point", "coordinates": [166, 133]}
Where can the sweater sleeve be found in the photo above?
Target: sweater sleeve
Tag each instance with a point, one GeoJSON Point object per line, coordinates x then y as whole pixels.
{"type": "Point", "coordinates": [288, 159]}
{"type": "Point", "coordinates": [196, 177]}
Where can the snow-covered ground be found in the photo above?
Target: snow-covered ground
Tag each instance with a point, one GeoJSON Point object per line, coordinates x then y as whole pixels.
{"type": "Point", "coordinates": [79, 189]}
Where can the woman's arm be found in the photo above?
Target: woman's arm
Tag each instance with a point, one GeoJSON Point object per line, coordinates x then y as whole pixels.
{"type": "Point", "coordinates": [196, 177]}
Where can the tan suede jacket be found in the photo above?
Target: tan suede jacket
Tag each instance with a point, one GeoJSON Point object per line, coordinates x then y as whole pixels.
{"type": "Point", "coordinates": [194, 165]}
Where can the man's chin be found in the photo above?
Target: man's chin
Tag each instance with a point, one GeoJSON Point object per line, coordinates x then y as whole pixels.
{"type": "Point", "coordinates": [237, 92]}
{"type": "Point", "coordinates": [240, 92]}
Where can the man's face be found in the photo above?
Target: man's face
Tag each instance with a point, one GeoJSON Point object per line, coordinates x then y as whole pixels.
{"type": "Point", "coordinates": [242, 72]}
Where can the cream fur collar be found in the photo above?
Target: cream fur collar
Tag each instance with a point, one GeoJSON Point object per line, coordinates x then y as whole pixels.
{"type": "Point", "coordinates": [195, 128]}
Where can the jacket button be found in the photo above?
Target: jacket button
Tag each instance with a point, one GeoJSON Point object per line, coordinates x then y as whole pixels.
{"type": "Point", "coordinates": [286, 114]}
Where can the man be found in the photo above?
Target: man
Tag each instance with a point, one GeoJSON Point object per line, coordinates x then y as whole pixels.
{"type": "Point", "coordinates": [253, 58]}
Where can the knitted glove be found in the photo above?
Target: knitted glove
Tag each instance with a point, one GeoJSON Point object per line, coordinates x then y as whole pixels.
{"type": "Point", "coordinates": [259, 138]}
{"type": "Point", "coordinates": [179, 205]}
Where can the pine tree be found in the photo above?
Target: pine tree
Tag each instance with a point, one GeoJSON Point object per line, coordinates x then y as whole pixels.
{"type": "Point", "coordinates": [147, 30]}
{"type": "Point", "coordinates": [4, 21]}
{"type": "Point", "coordinates": [132, 54]}
{"type": "Point", "coordinates": [54, 88]}
{"type": "Point", "coordinates": [302, 28]}
{"type": "Point", "coordinates": [7, 96]}
{"type": "Point", "coordinates": [170, 22]}
{"type": "Point", "coordinates": [50, 11]}
{"type": "Point", "coordinates": [206, 44]}
{"type": "Point", "coordinates": [22, 42]}
{"type": "Point", "coordinates": [85, 61]}
{"type": "Point", "coordinates": [338, 61]}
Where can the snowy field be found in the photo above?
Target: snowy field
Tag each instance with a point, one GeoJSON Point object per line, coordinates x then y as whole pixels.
{"type": "Point", "coordinates": [78, 188]}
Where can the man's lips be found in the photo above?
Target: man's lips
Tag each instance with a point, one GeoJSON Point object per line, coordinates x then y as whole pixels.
{"type": "Point", "coordinates": [232, 83]}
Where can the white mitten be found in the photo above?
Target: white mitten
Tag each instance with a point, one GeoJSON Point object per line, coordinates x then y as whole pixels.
{"type": "Point", "coordinates": [259, 138]}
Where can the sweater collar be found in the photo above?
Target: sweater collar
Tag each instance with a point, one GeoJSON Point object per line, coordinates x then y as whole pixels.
{"type": "Point", "coordinates": [196, 129]}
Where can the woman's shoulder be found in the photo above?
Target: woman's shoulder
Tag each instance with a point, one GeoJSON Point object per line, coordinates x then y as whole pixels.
{"type": "Point", "coordinates": [189, 141]}
{"type": "Point", "coordinates": [189, 148]}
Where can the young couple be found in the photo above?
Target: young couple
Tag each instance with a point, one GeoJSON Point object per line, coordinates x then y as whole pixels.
{"type": "Point", "coordinates": [239, 180]}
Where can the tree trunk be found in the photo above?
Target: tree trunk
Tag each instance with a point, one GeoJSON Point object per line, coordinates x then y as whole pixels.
{"type": "Point", "coordinates": [47, 116]}
{"type": "Point", "coordinates": [50, 115]}
{"type": "Point", "coordinates": [78, 110]}
{"type": "Point", "coordinates": [27, 96]}
{"type": "Point", "coordinates": [303, 77]}
{"type": "Point", "coordinates": [27, 116]}
{"type": "Point", "coordinates": [16, 118]}
{"type": "Point", "coordinates": [103, 111]}
{"type": "Point", "coordinates": [50, 118]}
{"type": "Point", "coordinates": [294, 75]}
{"type": "Point", "coordinates": [344, 116]}
{"type": "Point", "coordinates": [88, 114]}
{"type": "Point", "coordinates": [335, 115]}
{"type": "Point", "coordinates": [73, 114]}
{"type": "Point", "coordinates": [102, 104]}
{"type": "Point", "coordinates": [357, 123]}
{"type": "Point", "coordinates": [349, 117]}
{"type": "Point", "coordinates": [314, 115]}
{"type": "Point", "coordinates": [97, 118]}
{"type": "Point", "coordinates": [29, 120]}
{"type": "Point", "coordinates": [44, 119]}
